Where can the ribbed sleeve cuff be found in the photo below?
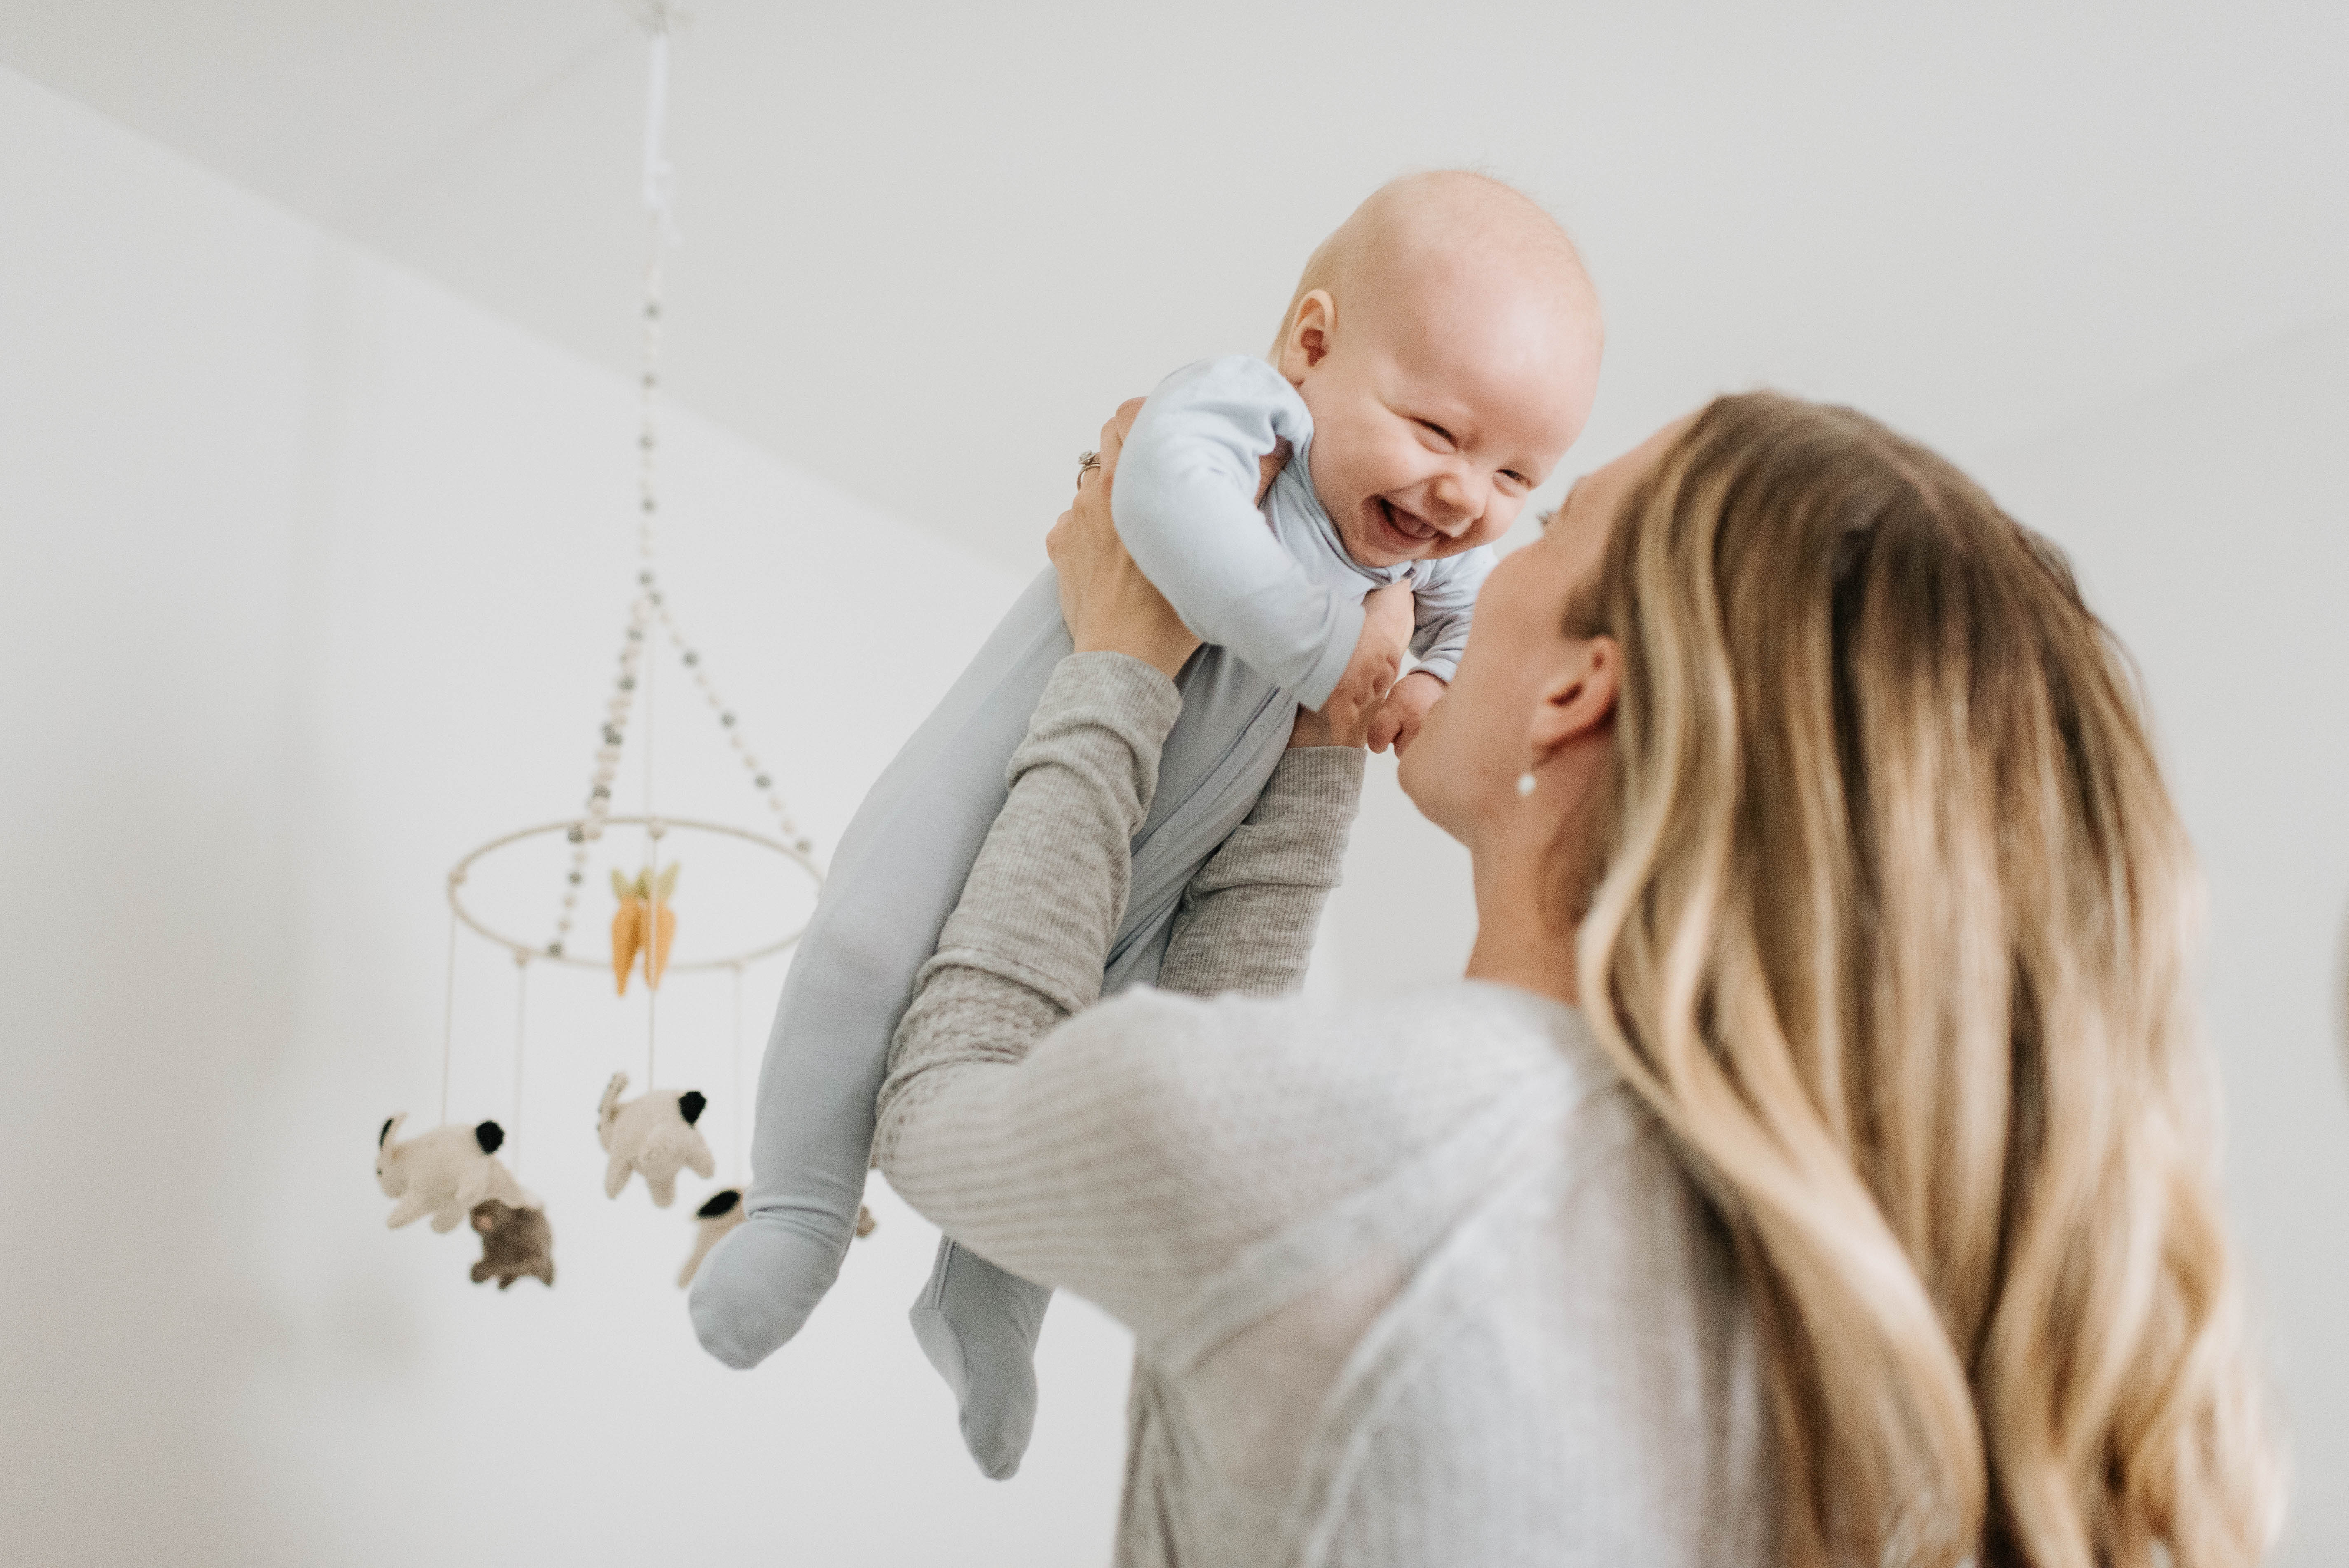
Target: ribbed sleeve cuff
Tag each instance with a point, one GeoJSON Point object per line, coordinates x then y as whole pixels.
{"type": "Point", "coordinates": [1297, 834]}
{"type": "Point", "coordinates": [1321, 771]}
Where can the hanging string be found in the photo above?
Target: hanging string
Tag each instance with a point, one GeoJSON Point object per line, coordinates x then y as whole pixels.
{"type": "Point", "coordinates": [663, 233]}
{"type": "Point", "coordinates": [448, 1010]}
{"type": "Point", "coordinates": [657, 172]}
{"type": "Point", "coordinates": [652, 896]}
{"type": "Point", "coordinates": [521, 1007]}
{"type": "Point", "coordinates": [741, 1156]}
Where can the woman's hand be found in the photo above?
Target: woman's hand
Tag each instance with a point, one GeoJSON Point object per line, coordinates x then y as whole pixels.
{"type": "Point", "coordinates": [1110, 606]}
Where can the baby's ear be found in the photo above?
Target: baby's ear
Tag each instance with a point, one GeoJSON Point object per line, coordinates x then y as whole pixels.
{"type": "Point", "coordinates": [1310, 329]}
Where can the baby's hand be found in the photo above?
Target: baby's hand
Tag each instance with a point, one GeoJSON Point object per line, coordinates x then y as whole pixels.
{"type": "Point", "coordinates": [1397, 722]}
{"type": "Point", "coordinates": [1386, 634]}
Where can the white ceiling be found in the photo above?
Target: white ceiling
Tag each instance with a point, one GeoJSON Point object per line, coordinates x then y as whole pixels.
{"type": "Point", "coordinates": [927, 247]}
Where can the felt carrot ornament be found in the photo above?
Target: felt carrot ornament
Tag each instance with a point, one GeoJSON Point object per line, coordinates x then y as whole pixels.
{"type": "Point", "coordinates": [664, 923]}
{"type": "Point", "coordinates": [627, 930]}
{"type": "Point", "coordinates": [646, 923]}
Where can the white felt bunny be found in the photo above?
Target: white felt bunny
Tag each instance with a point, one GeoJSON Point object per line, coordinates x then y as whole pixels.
{"type": "Point", "coordinates": [654, 1136]}
{"type": "Point", "coordinates": [444, 1173]}
{"type": "Point", "coordinates": [724, 1210]}
{"type": "Point", "coordinates": [721, 1212]}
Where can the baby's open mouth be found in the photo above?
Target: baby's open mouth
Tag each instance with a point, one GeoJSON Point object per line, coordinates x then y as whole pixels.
{"type": "Point", "coordinates": [1411, 525]}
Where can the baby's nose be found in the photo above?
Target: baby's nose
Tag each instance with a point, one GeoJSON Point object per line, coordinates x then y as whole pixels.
{"type": "Point", "coordinates": [1459, 501]}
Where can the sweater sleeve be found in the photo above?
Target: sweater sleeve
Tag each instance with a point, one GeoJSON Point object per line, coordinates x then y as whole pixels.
{"type": "Point", "coordinates": [1184, 504]}
{"type": "Point", "coordinates": [1443, 599]}
{"type": "Point", "coordinates": [1247, 920]}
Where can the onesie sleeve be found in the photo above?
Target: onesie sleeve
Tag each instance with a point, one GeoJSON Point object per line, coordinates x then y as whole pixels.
{"type": "Point", "coordinates": [1441, 602]}
{"type": "Point", "coordinates": [1184, 504]}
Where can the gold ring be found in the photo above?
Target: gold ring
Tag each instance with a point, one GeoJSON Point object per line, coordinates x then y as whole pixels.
{"type": "Point", "coordinates": [1086, 463]}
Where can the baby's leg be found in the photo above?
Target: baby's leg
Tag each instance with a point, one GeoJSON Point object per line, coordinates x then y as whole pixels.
{"type": "Point", "coordinates": [977, 1323]}
{"type": "Point", "coordinates": [898, 873]}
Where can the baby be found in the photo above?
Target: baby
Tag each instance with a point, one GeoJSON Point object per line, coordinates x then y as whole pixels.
{"type": "Point", "coordinates": [1438, 358]}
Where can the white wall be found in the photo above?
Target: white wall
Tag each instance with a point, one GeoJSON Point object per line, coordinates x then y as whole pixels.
{"type": "Point", "coordinates": [312, 581]}
{"type": "Point", "coordinates": [2208, 525]}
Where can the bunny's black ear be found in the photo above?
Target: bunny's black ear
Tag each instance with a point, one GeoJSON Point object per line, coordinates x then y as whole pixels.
{"type": "Point", "coordinates": [720, 1203]}
{"type": "Point", "coordinates": [489, 1135]}
{"type": "Point", "coordinates": [385, 1132]}
{"type": "Point", "coordinates": [690, 1104]}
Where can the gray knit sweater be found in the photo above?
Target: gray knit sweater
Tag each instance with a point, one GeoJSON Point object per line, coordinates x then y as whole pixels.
{"type": "Point", "coordinates": [1413, 1282]}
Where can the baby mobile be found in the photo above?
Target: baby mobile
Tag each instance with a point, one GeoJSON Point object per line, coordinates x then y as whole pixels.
{"type": "Point", "coordinates": [452, 1173]}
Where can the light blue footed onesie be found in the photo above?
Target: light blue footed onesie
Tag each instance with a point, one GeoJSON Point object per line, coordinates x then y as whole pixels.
{"type": "Point", "coordinates": [1280, 611]}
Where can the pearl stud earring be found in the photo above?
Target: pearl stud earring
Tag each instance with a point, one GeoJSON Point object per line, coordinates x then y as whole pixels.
{"type": "Point", "coordinates": [1525, 782]}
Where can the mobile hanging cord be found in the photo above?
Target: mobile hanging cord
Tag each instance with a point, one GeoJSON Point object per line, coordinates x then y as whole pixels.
{"type": "Point", "coordinates": [663, 233]}
{"type": "Point", "coordinates": [449, 1012]}
{"type": "Point", "coordinates": [645, 923]}
{"type": "Point", "coordinates": [522, 1010]}
{"type": "Point", "coordinates": [741, 1152]}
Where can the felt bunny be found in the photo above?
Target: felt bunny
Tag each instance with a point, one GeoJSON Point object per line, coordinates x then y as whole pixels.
{"type": "Point", "coordinates": [654, 1136]}
{"type": "Point", "coordinates": [443, 1172]}
{"type": "Point", "coordinates": [721, 1212]}
{"type": "Point", "coordinates": [515, 1243]}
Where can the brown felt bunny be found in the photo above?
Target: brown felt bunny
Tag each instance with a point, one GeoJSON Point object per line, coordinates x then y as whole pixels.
{"type": "Point", "coordinates": [515, 1243]}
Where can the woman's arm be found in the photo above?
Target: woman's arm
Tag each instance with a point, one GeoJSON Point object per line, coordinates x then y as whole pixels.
{"type": "Point", "coordinates": [1094, 1152]}
{"type": "Point", "coordinates": [1018, 1155]}
{"type": "Point", "coordinates": [1247, 919]}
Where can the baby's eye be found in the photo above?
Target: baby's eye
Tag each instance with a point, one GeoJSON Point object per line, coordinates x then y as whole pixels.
{"type": "Point", "coordinates": [1517, 480]}
{"type": "Point", "coordinates": [1438, 431]}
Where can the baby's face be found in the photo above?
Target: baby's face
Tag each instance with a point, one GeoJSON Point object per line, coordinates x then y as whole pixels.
{"type": "Point", "coordinates": [1437, 414]}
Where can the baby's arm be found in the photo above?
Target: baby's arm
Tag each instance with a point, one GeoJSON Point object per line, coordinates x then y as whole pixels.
{"type": "Point", "coordinates": [1444, 598]}
{"type": "Point", "coordinates": [1184, 505]}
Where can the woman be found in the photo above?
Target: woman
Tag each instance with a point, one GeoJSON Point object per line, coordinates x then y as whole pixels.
{"type": "Point", "coordinates": [1814, 1165]}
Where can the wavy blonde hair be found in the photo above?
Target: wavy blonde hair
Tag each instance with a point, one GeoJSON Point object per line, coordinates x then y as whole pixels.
{"type": "Point", "coordinates": [1893, 935]}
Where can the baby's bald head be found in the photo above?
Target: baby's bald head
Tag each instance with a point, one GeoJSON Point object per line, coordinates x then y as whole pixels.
{"type": "Point", "coordinates": [1421, 235]}
{"type": "Point", "coordinates": [1446, 341]}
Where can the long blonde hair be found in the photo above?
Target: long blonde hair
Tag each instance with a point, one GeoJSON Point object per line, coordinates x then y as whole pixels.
{"type": "Point", "coordinates": [1893, 936]}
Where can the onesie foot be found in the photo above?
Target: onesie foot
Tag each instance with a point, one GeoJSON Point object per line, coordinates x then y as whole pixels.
{"type": "Point", "coordinates": [977, 1324]}
{"type": "Point", "coordinates": [757, 1287]}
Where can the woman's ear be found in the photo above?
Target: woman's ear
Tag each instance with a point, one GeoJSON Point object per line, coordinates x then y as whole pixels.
{"type": "Point", "coordinates": [1578, 700]}
{"type": "Point", "coordinates": [1308, 341]}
